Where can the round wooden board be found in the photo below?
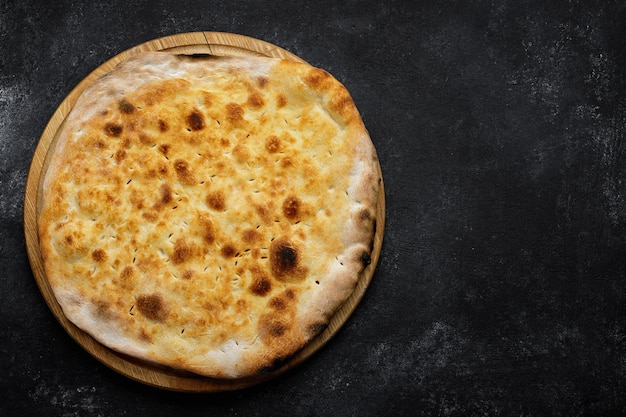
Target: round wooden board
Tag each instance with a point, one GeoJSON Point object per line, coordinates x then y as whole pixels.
{"type": "Point", "coordinates": [214, 43]}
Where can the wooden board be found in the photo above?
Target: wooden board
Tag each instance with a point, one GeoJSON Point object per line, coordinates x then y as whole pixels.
{"type": "Point", "coordinates": [214, 43]}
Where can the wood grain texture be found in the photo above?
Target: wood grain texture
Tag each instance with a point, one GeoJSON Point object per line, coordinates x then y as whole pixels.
{"type": "Point", "coordinates": [215, 43]}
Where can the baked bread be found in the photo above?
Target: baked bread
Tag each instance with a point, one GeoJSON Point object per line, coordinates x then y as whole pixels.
{"type": "Point", "coordinates": [209, 214]}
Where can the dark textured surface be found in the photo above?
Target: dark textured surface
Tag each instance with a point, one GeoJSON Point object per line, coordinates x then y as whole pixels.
{"type": "Point", "coordinates": [500, 130]}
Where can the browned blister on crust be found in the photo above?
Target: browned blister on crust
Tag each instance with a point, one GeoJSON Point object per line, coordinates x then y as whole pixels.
{"type": "Point", "coordinates": [209, 214]}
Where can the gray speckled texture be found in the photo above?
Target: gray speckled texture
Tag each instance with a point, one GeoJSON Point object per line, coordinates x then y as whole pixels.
{"type": "Point", "coordinates": [500, 130]}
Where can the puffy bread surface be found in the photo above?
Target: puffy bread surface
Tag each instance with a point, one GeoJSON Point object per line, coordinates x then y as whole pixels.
{"type": "Point", "coordinates": [209, 214]}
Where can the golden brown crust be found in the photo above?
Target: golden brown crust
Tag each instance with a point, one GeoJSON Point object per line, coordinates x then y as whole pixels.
{"type": "Point", "coordinates": [209, 214]}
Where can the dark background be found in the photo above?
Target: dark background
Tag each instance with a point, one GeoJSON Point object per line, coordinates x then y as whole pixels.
{"type": "Point", "coordinates": [500, 127]}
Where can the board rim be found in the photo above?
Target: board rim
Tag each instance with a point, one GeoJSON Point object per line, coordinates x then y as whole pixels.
{"type": "Point", "coordinates": [213, 43]}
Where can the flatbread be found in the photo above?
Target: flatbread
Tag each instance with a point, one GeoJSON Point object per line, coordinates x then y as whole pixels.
{"type": "Point", "coordinates": [209, 214]}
